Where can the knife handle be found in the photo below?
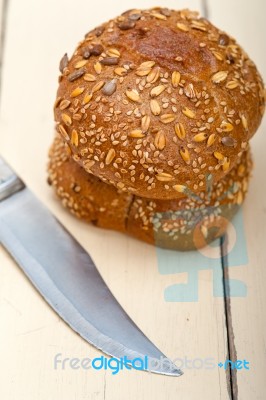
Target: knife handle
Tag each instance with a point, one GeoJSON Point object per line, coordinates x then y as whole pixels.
{"type": "Point", "coordinates": [10, 183]}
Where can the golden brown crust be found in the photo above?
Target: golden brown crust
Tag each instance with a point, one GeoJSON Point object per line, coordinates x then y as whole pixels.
{"type": "Point", "coordinates": [185, 113]}
{"type": "Point", "coordinates": [84, 194]}
{"type": "Point", "coordinates": [182, 224]}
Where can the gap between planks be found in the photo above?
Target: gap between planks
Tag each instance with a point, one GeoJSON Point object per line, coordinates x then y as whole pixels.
{"type": "Point", "coordinates": [231, 375]}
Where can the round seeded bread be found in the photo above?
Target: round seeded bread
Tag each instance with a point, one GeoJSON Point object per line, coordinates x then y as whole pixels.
{"type": "Point", "coordinates": [183, 224]}
{"type": "Point", "coordinates": [154, 101]}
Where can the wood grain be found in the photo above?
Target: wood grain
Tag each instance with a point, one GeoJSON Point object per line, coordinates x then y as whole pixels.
{"type": "Point", "coordinates": [245, 20]}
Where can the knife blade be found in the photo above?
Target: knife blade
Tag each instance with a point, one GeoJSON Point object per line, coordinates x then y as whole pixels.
{"type": "Point", "coordinates": [66, 276]}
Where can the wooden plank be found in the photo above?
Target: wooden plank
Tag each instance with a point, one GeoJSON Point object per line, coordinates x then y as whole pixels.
{"type": "Point", "coordinates": [31, 333]}
{"type": "Point", "coordinates": [247, 318]}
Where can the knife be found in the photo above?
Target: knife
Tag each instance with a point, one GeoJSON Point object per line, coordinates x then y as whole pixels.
{"type": "Point", "coordinates": [66, 276]}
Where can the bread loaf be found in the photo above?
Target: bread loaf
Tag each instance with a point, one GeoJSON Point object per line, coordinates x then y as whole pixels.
{"type": "Point", "coordinates": [154, 113]}
{"type": "Point", "coordinates": [182, 224]}
{"type": "Point", "coordinates": [155, 100]}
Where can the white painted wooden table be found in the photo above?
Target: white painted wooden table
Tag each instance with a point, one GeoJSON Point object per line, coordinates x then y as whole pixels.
{"type": "Point", "coordinates": [35, 34]}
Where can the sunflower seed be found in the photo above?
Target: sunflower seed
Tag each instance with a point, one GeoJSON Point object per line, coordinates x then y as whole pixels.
{"type": "Point", "coordinates": [164, 177]}
{"type": "Point", "coordinates": [180, 131]}
{"type": "Point", "coordinates": [86, 53]}
{"type": "Point", "coordinates": [109, 88]}
{"type": "Point", "coordinates": [76, 75]}
{"type": "Point", "coordinates": [223, 40]}
{"type": "Point", "coordinates": [96, 50]}
{"type": "Point", "coordinates": [99, 31]}
{"type": "Point", "coordinates": [155, 107]}
{"type": "Point", "coordinates": [110, 61]}
{"type": "Point", "coordinates": [134, 17]}
{"type": "Point", "coordinates": [125, 25]}
{"type": "Point", "coordinates": [63, 63]}
{"type": "Point", "coordinates": [228, 141]}
{"type": "Point", "coordinates": [219, 77]}
{"type": "Point", "coordinates": [176, 78]}
{"type": "Point", "coordinates": [166, 12]}
{"type": "Point", "coordinates": [167, 118]}
{"type": "Point", "coordinates": [110, 156]}
{"type": "Point", "coordinates": [157, 90]}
